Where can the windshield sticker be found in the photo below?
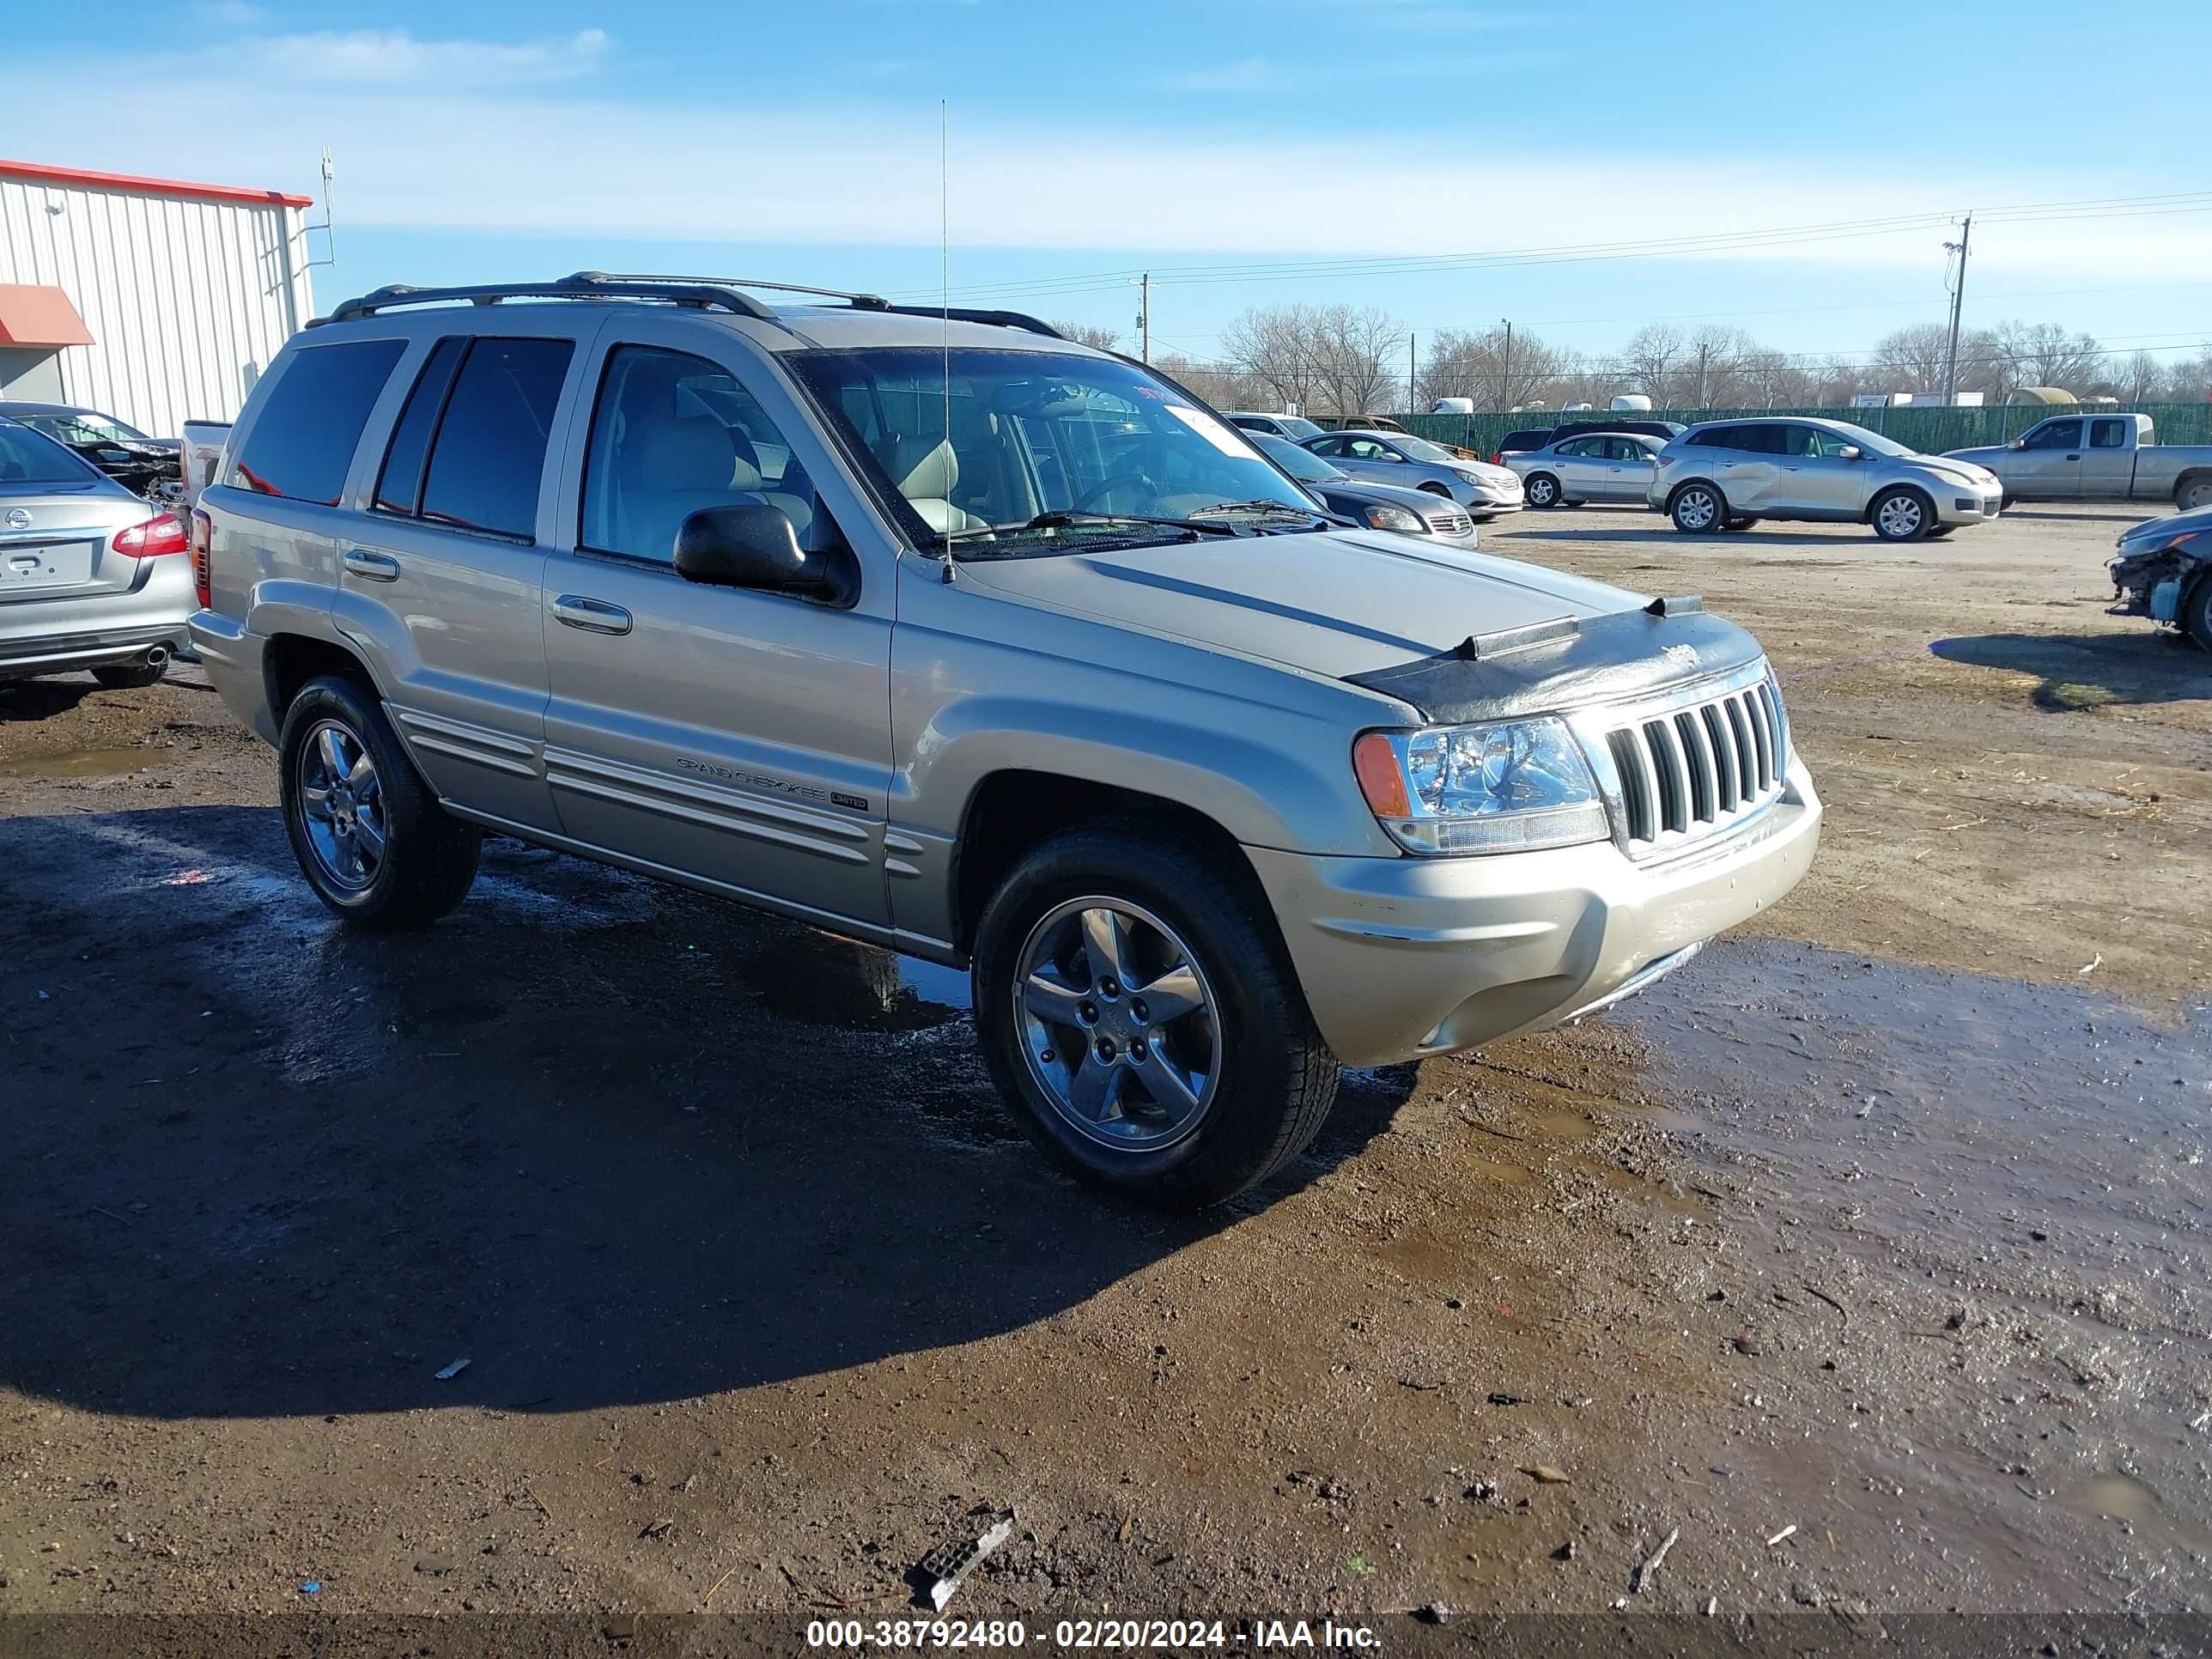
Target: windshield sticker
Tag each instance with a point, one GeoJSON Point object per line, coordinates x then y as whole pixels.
{"type": "Point", "coordinates": [1208, 428]}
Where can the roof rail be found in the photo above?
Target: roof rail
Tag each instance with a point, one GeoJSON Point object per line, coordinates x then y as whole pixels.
{"type": "Point", "coordinates": [585, 285]}
{"type": "Point", "coordinates": [862, 302]}
{"type": "Point", "coordinates": [858, 301]}
{"type": "Point", "coordinates": [1020, 319]}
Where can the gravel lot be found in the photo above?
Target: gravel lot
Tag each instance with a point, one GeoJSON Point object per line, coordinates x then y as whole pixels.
{"type": "Point", "coordinates": [1888, 1223]}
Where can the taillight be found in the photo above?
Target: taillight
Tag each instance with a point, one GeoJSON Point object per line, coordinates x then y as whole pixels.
{"type": "Point", "coordinates": [158, 535]}
{"type": "Point", "coordinates": [203, 544]}
{"type": "Point", "coordinates": [1498, 457]}
{"type": "Point", "coordinates": [1666, 461]}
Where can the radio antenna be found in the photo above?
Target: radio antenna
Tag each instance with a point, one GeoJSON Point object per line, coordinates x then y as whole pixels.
{"type": "Point", "coordinates": [944, 290]}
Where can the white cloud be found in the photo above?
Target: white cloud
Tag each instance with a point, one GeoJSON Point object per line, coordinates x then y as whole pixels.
{"type": "Point", "coordinates": [425, 137]}
{"type": "Point", "coordinates": [393, 58]}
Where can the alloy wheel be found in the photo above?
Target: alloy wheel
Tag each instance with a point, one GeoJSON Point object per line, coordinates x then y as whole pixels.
{"type": "Point", "coordinates": [1900, 517]}
{"type": "Point", "coordinates": [342, 803]}
{"type": "Point", "coordinates": [1120, 1028]}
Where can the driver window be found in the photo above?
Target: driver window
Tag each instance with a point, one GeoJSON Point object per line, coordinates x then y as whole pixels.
{"type": "Point", "coordinates": [2054, 434]}
{"type": "Point", "coordinates": [673, 434]}
{"type": "Point", "coordinates": [1367, 449]}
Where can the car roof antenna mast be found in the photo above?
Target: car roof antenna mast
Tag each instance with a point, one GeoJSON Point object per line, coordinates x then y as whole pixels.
{"type": "Point", "coordinates": [944, 286]}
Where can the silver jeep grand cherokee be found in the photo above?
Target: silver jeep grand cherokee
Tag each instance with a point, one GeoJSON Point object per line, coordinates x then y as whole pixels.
{"type": "Point", "coordinates": [944, 633]}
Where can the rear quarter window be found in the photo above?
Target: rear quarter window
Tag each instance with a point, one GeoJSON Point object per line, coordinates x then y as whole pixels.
{"type": "Point", "coordinates": [302, 441]}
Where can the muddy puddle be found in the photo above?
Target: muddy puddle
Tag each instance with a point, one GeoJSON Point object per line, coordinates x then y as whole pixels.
{"type": "Point", "coordinates": [1916, 1107]}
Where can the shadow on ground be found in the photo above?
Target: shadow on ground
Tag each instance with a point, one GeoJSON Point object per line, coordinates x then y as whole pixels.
{"type": "Point", "coordinates": [607, 1141]}
{"type": "Point", "coordinates": [2088, 671]}
{"type": "Point", "coordinates": [1749, 540]}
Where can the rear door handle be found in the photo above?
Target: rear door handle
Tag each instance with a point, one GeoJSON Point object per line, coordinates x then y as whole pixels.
{"type": "Point", "coordinates": [371, 567]}
{"type": "Point", "coordinates": [592, 616]}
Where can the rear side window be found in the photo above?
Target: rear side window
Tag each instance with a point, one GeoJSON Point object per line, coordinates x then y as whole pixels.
{"type": "Point", "coordinates": [304, 438]}
{"type": "Point", "coordinates": [2108, 435]}
{"type": "Point", "coordinates": [399, 486]}
{"type": "Point", "coordinates": [1717, 437]}
{"type": "Point", "coordinates": [488, 453]}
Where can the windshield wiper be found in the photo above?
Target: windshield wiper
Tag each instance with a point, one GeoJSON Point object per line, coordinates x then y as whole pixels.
{"type": "Point", "coordinates": [1279, 509]}
{"type": "Point", "coordinates": [1067, 519]}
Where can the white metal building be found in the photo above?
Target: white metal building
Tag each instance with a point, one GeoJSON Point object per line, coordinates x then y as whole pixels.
{"type": "Point", "coordinates": [146, 299]}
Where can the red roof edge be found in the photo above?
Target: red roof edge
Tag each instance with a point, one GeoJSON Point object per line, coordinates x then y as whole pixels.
{"type": "Point", "coordinates": [80, 176]}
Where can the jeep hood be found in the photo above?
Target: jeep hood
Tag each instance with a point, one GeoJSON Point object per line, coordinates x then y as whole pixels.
{"type": "Point", "coordinates": [1387, 611]}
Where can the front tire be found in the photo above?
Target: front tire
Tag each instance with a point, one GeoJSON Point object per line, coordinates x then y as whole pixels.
{"type": "Point", "coordinates": [1699, 509]}
{"type": "Point", "coordinates": [2197, 612]}
{"type": "Point", "coordinates": [1901, 515]}
{"type": "Point", "coordinates": [1543, 489]}
{"type": "Point", "coordinates": [370, 837]}
{"type": "Point", "coordinates": [1139, 1014]}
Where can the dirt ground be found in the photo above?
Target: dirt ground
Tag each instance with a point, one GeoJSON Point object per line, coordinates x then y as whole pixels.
{"type": "Point", "coordinates": [1872, 1252]}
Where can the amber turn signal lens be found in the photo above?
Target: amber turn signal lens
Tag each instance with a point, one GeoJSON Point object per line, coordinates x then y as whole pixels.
{"type": "Point", "coordinates": [1376, 765]}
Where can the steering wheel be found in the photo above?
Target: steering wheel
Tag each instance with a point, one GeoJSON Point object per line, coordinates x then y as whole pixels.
{"type": "Point", "coordinates": [1085, 498]}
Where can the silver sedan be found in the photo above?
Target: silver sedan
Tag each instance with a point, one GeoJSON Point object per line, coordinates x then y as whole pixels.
{"type": "Point", "coordinates": [1593, 467]}
{"type": "Point", "coordinates": [1399, 457]}
{"type": "Point", "coordinates": [91, 576]}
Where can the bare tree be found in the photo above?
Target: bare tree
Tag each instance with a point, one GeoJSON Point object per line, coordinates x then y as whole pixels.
{"type": "Point", "coordinates": [1089, 334]}
{"type": "Point", "coordinates": [1356, 352]}
{"type": "Point", "coordinates": [1274, 348]}
{"type": "Point", "coordinates": [1913, 358]}
{"type": "Point", "coordinates": [1652, 358]}
{"type": "Point", "coordinates": [2043, 354]}
{"type": "Point", "coordinates": [2140, 380]}
{"type": "Point", "coordinates": [1217, 384]}
{"type": "Point", "coordinates": [2190, 382]}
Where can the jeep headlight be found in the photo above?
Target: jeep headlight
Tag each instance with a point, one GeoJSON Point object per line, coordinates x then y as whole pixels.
{"type": "Point", "coordinates": [1512, 787]}
{"type": "Point", "coordinates": [1383, 516]}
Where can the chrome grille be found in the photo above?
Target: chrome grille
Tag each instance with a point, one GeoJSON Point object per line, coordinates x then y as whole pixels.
{"type": "Point", "coordinates": [1690, 773]}
{"type": "Point", "coordinates": [1449, 524]}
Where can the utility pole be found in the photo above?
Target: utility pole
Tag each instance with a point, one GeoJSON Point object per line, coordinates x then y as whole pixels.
{"type": "Point", "coordinates": [1145, 315]}
{"type": "Point", "coordinates": [1704, 352]}
{"type": "Point", "coordinates": [1505, 368]}
{"type": "Point", "coordinates": [1412, 369]}
{"type": "Point", "coordinates": [1957, 305]}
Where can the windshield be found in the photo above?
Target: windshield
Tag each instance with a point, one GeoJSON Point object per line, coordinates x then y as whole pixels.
{"type": "Point", "coordinates": [1422, 450]}
{"type": "Point", "coordinates": [84, 429]}
{"type": "Point", "coordinates": [1872, 442]}
{"type": "Point", "coordinates": [26, 458]}
{"type": "Point", "coordinates": [1298, 462]}
{"type": "Point", "coordinates": [1300, 430]}
{"type": "Point", "coordinates": [972, 447]}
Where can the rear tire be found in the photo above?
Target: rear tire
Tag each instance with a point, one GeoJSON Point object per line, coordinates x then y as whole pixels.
{"type": "Point", "coordinates": [1266, 1080]}
{"type": "Point", "coordinates": [1901, 515]}
{"type": "Point", "coordinates": [2191, 493]}
{"type": "Point", "coordinates": [1543, 489]}
{"type": "Point", "coordinates": [132, 676]}
{"type": "Point", "coordinates": [1698, 509]}
{"type": "Point", "coordinates": [370, 837]}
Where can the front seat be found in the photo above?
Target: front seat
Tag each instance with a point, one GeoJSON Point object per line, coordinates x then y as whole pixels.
{"type": "Point", "coordinates": [924, 472]}
{"type": "Point", "coordinates": [670, 467]}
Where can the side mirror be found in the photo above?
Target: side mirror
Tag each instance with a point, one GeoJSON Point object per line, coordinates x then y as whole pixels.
{"type": "Point", "coordinates": [2017, 443]}
{"type": "Point", "coordinates": [738, 545]}
{"type": "Point", "coordinates": [1849, 453]}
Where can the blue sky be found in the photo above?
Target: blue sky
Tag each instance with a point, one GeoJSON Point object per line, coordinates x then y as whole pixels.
{"type": "Point", "coordinates": [1221, 143]}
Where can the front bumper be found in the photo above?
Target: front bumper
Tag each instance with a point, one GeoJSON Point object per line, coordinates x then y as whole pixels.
{"type": "Point", "coordinates": [93, 630]}
{"type": "Point", "coordinates": [1408, 957]}
{"type": "Point", "coordinates": [1960, 504]}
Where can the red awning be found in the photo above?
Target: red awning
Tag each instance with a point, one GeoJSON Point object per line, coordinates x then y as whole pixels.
{"type": "Point", "coordinates": [38, 316]}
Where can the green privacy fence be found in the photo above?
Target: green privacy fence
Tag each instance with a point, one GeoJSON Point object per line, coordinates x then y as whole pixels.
{"type": "Point", "coordinates": [1930, 428]}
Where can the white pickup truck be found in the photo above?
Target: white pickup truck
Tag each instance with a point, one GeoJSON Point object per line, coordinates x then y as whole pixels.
{"type": "Point", "coordinates": [2098, 458]}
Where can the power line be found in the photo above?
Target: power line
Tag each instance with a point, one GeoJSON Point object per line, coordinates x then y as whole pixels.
{"type": "Point", "coordinates": [1651, 247]}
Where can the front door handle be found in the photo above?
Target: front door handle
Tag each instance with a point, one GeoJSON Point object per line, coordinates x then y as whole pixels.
{"type": "Point", "coordinates": [371, 567]}
{"type": "Point", "coordinates": [592, 616]}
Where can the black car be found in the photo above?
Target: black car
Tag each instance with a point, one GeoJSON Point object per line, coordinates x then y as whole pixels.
{"type": "Point", "coordinates": [1535, 437]}
{"type": "Point", "coordinates": [151, 467]}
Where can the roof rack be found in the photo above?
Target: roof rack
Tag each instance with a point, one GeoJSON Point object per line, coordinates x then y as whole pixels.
{"type": "Point", "coordinates": [858, 301]}
{"type": "Point", "coordinates": [723, 293]}
{"type": "Point", "coordinates": [584, 285]}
